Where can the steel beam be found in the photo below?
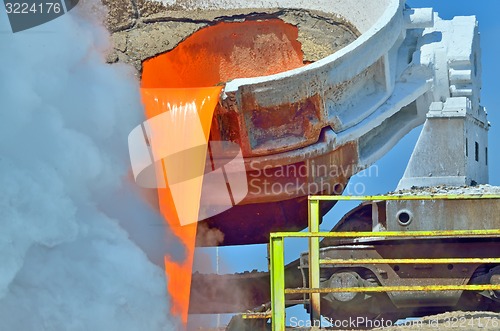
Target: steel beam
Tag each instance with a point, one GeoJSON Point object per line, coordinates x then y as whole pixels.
{"type": "Point", "coordinates": [277, 284]}
{"type": "Point", "coordinates": [314, 269]}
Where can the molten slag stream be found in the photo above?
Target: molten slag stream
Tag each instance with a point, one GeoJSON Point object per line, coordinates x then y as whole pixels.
{"type": "Point", "coordinates": [185, 80]}
{"type": "Point", "coordinates": [189, 107]}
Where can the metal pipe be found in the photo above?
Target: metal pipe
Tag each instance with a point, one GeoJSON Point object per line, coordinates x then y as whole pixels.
{"type": "Point", "coordinates": [411, 261]}
{"type": "Point", "coordinates": [395, 289]}
{"type": "Point", "coordinates": [416, 234]}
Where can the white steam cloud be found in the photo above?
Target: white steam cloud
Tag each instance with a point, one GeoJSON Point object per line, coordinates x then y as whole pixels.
{"type": "Point", "coordinates": [66, 263]}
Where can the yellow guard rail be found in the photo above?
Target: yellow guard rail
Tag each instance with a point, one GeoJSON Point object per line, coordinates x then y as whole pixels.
{"type": "Point", "coordinates": [277, 256]}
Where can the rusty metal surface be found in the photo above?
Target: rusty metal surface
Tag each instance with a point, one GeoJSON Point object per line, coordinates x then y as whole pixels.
{"type": "Point", "coordinates": [295, 120]}
{"type": "Point", "coordinates": [319, 173]}
{"type": "Point", "coordinates": [252, 224]}
{"type": "Point", "coordinates": [277, 196]}
{"type": "Point", "coordinates": [278, 128]}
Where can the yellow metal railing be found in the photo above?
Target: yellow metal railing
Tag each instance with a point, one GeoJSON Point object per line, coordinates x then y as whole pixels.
{"type": "Point", "coordinates": [277, 263]}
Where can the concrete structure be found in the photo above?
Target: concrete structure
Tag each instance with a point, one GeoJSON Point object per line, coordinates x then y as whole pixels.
{"type": "Point", "coordinates": [452, 148]}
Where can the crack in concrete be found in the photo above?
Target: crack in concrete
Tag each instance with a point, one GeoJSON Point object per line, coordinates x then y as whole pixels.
{"type": "Point", "coordinates": [142, 29]}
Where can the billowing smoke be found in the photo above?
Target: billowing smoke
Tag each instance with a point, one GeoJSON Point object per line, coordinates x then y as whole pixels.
{"type": "Point", "coordinates": [66, 261]}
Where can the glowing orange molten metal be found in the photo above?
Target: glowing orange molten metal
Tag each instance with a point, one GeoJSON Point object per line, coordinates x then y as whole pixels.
{"type": "Point", "coordinates": [189, 73]}
{"type": "Point", "coordinates": [205, 100]}
{"type": "Point", "coordinates": [224, 52]}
